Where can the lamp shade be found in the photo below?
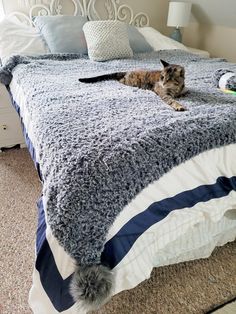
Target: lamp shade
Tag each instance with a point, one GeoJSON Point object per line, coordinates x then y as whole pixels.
{"type": "Point", "coordinates": [179, 14]}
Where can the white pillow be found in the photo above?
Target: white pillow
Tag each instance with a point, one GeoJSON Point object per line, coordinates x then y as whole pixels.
{"type": "Point", "coordinates": [159, 41]}
{"type": "Point", "coordinates": [18, 38]}
{"type": "Point", "coordinates": [107, 40]}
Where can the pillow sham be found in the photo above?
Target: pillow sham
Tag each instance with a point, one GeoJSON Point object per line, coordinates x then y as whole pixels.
{"type": "Point", "coordinates": [107, 40]}
{"type": "Point", "coordinates": [63, 33]}
{"type": "Point", "coordinates": [158, 41]}
{"type": "Point", "coordinates": [16, 38]}
{"type": "Point", "coordinates": [137, 41]}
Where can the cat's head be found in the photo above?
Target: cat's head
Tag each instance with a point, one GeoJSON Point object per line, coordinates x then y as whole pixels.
{"type": "Point", "coordinates": [172, 74]}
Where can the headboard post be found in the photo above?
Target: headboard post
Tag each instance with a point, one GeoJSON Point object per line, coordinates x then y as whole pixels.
{"type": "Point", "coordinates": [24, 10]}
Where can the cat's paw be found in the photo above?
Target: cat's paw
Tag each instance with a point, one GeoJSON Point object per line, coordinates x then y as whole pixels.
{"type": "Point", "coordinates": [178, 107]}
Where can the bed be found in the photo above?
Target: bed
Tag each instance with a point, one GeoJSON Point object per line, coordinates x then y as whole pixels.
{"type": "Point", "coordinates": [126, 185]}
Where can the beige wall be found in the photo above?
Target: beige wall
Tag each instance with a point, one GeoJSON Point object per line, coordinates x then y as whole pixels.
{"type": "Point", "coordinates": [213, 27]}
{"type": "Point", "coordinates": [157, 10]}
{"type": "Point", "coordinates": [220, 41]}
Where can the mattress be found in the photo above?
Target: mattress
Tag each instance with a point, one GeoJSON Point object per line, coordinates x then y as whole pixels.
{"type": "Point", "coordinates": [196, 204]}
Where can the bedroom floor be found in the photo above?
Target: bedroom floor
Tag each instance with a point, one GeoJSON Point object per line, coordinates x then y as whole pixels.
{"type": "Point", "coordinates": [19, 188]}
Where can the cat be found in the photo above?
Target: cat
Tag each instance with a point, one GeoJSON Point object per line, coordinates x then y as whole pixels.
{"type": "Point", "coordinates": [167, 83]}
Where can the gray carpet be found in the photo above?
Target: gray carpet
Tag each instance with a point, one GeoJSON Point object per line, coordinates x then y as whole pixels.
{"type": "Point", "coordinates": [186, 288]}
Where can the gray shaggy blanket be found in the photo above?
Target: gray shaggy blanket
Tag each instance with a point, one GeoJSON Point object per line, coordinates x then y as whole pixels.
{"type": "Point", "coordinates": [100, 144]}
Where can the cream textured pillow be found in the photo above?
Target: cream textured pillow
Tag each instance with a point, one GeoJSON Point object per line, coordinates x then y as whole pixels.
{"type": "Point", "coordinates": [18, 38]}
{"type": "Point", "coordinates": [107, 40]}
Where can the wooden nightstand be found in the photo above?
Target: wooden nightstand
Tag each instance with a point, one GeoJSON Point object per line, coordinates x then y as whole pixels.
{"type": "Point", "coordinates": [10, 128]}
{"type": "Point", "coordinates": [199, 52]}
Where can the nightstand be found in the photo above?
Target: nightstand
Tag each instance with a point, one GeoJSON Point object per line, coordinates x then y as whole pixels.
{"type": "Point", "coordinates": [199, 52]}
{"type": "Point", "coordinates": [10, 128]}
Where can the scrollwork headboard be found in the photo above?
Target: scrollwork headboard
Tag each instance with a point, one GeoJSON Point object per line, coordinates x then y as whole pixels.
{"type": "Point", "coordinates": [24, 10]}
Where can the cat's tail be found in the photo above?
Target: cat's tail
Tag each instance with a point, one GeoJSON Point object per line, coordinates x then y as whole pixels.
{"type": "Point", "coordinates": [105, 77]}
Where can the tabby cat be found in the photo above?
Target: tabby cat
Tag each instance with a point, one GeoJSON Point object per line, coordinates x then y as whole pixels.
{"type": "Point", "coordinates": [167, 83]}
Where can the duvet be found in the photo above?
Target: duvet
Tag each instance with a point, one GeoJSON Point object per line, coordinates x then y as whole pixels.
{"type": "Point", "coordinates": [98, 147]}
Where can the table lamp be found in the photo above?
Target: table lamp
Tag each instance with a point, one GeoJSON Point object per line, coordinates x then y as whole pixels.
{"type": "Point", "coordinates": [178, 16]}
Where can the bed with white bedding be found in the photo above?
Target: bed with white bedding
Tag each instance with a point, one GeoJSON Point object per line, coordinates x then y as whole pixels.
{"type": "Point", "coordinates": [183, 215]}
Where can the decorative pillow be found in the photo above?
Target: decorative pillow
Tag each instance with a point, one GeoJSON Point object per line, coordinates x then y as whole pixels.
{"type": "Point", "coordinates": [107, 40]}
{"type": "Point", "coordinates": [63, 33]}
{"type": "Point", "coordinates": [18, 38]}
{"type": "Point", "coordinates": [137, 41]}
{"type": "Point", "coordinates": [159, 41]}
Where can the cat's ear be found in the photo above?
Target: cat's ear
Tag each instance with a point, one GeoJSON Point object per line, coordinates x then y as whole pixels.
{"type": "Point", "coordinates": [164, 63]}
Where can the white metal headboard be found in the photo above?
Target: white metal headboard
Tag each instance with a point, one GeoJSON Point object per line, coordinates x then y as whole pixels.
{"type": "Point", "coordinates": [111, 9]}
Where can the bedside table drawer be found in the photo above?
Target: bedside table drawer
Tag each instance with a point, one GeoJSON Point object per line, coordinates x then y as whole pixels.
{"type": "Point", "coordinates": [10, 130]}
{"type": "Point", "coordinates": [5, 99]}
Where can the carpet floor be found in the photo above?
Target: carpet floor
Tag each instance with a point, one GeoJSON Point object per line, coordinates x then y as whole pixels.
{"type": "Point", "coordinates": [186, 288]}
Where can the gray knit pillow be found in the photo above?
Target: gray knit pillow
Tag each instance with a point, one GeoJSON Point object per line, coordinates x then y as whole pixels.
{"type": "Point", "coordinates": [107, 40]}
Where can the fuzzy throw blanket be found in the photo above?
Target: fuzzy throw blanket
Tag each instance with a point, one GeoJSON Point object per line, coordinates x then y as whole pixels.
{"type": "Point", "coordinates": [100, 144]}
